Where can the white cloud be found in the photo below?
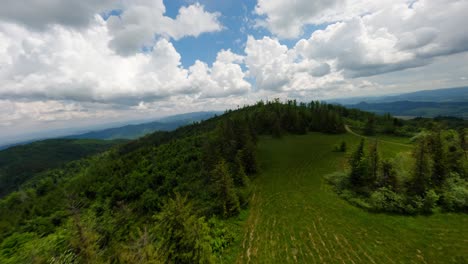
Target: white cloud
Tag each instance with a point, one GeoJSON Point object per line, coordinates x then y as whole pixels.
{"type": "Point", "coordinates": [277, 68]}
{"type": "Point", "coordinates": [39, 15]}
{"type": "Point", "coordinates": [141, 21]}
{"type": "Point", "coordinates": [287, 18]}
{"type": "Point", "coordinates": [374, 37]}
{"type": "Point", "coordinates": [69, 64]}
{"type": "Point", "coordinates": [225, 78]}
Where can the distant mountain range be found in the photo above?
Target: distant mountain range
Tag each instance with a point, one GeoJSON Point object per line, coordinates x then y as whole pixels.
{"type": "Point", "coordinates": [416, 109]}
{"type": "Point", "coordinates": [428, 103]}
{"type": "Point", "coordinates": [135, 131]}
{"type": "Point", "coordinates": [458, 94]}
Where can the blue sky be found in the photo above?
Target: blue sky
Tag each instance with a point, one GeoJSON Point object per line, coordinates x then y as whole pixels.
{"type": "Point", "coordinates": [116, 61]}
{"type": "Point", "coordinates": [237, 19]}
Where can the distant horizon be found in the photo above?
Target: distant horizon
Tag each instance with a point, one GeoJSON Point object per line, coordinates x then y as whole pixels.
{"type": "Point", "coordinates": [67, 131]}
{"type": "Point", "coordinates": [129, 60]}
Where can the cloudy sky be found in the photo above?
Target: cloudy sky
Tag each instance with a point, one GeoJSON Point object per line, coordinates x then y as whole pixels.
{"type": "Point", "coordinates": [71, 64]}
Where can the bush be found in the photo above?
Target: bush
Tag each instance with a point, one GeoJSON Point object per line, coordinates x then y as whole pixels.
{"type": "Point", "coordinates": [384, 199]}
{"type": "Point", "coordinates": [454, 196]}
{"type": "Point", "coordinates": [430, 201]}
{"type": "Point", "coordinates": [339, 180]}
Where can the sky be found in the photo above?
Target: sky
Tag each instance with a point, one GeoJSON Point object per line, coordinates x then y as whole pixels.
{"type": "Point", "coordinates": [69, 65]}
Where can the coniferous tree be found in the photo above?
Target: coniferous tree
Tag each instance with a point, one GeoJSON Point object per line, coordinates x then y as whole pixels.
{"type": "Point", "coordinates": [439, 169]}
{"type": "Point", "coordinates": [389, 176]}
{"type": "Point", "coordinates": [369, 128]}
{"type": "Point", "coordinates": [226, 196]}
{"type": "Point", "coordinates": [373, 164]}
{"type": "Point", "coordinates": [421, 170]}
{"type": "Point", "coordinates": [358, 167]}
{"type": "Point", "coordinates": [184, 236]}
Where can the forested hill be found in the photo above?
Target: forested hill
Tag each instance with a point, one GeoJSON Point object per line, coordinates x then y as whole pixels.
{"type": "Point", "coordinates": [20, 163]}
{"type": "Point", "coordinates": [161, 188]}
{"type": "Point", "coordinates": [168, 197]}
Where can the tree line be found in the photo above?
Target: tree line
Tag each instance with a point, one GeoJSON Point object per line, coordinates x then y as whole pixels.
{"type": "Point", "coordinates": [437, 177]}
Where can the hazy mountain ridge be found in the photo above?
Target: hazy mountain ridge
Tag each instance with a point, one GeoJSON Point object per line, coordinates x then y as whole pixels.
{"type": "Point", "coordinates": [457, 94]}
{"type": "Point", "coordinates": [416, 109]}
{"type": "Point", "coordinates": [427, 103]}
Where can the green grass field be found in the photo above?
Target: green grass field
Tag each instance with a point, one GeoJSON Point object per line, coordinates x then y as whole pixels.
{"type": "Point", "coordinates": [295, 217]}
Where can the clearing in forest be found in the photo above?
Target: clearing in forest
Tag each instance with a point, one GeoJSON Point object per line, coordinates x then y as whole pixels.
{"type": "Point", "coordinates": [295, 217]}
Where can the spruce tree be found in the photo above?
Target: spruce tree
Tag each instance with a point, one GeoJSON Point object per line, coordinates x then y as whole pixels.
{"type": "Point", "coordinates": [439, 166]}
{"type": "Point", "coordinates": [226, 196]}
{"type": "Point", "coordinates": [373, 164]}
{"type": "Point", "coordinates": [422, 169]}
{"type": "Point", "coordinates": [389, 177]}
{"type": "Point", "coordinates": [358, 167]}
{"type": "Point", "coordinates": [185, 237]}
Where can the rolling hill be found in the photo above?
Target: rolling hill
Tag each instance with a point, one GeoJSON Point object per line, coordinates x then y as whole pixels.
{"type": "Point", "coordinates": [18, 164]}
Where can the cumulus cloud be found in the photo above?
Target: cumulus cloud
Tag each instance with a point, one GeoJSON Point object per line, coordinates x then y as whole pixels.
{"type": "Point", "coordinates": [140, 21]}
{"type": "Point", "coordinates": [287, 18]}
{"type": "Point", "coordinates": [68, 64]}
{"type": "Point", "coordinates": [225, 78]}
{"type": "Point", "coordinates": [274, 67]}
{"type": "Point", "coordinates": [39, 15]}
{"type": "Point", "coordinates": [376, 38]}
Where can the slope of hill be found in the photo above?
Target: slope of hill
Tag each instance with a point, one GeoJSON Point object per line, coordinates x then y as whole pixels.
{"type": "Point", "coordinates": [135, 131]}
{"type": "Point", "coordinates": [295, 217]}
{"type": "Point", "coordinates": [20, 163]}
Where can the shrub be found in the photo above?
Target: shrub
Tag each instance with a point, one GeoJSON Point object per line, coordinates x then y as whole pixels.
{"type": "Point", "coordinates": [454, 196]}
{"type": "Point", "coordinates": [430, 201]}
{"type": "Point", "coordinates": [339, 180]}
{"type": "Point", "coordinates": [384, 199]}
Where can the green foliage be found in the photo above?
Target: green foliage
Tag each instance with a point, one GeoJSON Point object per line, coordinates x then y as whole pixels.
{"type": "Point", "coordinates": [378, 185]}
{"type": "Point", "coordinates": [454, 196]}
{"type": "Point", "coordinates": [20, 163]}
{"type": "Point", "coordinates": [224, 192]}
{"type": "Point", "coordinates": [384, 199]}
{"type": "Point", "coordinates": [184, 237]}
{"type": "Point", "coordinates": [359, 167]}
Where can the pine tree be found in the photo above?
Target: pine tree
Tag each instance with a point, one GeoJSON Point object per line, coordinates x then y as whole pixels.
{"type": "Point", "coordinates": [369, 129]}
{"type": "Point", "coordinates": [358, 166]}
{"type": "Point", "coordinates": [225, 193]}
{"type": "Point", "coordinates": [373, 164]}
{"type": "Point", "coordinates": [184, 236]}
{"type": "Point", "coordinates": [439, 166]}
{"type": "Point", "coordinates": [421, 171]}
{"type": "Point", "coordinates": [389, 176]}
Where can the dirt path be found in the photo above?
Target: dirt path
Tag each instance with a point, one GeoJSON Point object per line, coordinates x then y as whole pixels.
{"type": "Point", "coordinates": [348, 129]}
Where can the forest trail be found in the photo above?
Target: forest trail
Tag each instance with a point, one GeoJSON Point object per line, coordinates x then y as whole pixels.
{"type": "Point", "coordinates": [295, 217]}
{"type": "Point", "coordinates": [348, 129]}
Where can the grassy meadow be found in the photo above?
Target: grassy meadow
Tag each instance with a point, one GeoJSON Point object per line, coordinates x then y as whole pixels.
{"type": "Point", "coordinates": [295, 217]}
